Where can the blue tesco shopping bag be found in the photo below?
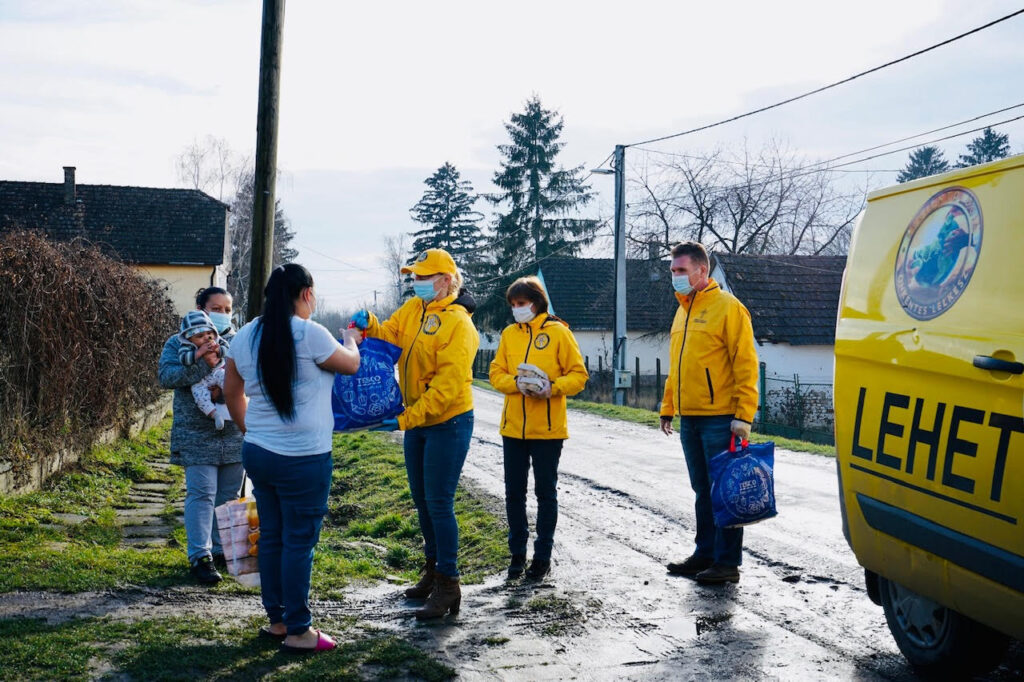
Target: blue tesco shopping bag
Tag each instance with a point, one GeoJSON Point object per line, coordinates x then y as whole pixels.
{"type": "Point", "coordinates": [371, 395]}
{"type": "Point", "coordinates": [743, 484]}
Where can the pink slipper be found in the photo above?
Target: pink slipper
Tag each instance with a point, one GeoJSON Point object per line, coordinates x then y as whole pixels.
{"type": "Point", "coordinates": [323, 643]}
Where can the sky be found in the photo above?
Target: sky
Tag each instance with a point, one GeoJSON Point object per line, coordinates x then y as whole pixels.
{"type": "Point", "coordinates": [376, 96]}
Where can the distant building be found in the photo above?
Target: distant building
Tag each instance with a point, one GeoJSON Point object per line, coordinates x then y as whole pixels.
{"type": "Point", "coordinates": [179, 236]}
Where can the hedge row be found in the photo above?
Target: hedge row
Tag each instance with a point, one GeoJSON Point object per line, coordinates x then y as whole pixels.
{"type": "Point", "coordinates": [80, 336]}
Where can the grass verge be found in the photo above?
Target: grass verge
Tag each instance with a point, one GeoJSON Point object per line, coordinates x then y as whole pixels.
{"type": "Point", "coordinates": [651, 418]}
{"type": "Point", "coordinates": [372, 530]}
{"type": "Point", "coordinates": [190, 648]}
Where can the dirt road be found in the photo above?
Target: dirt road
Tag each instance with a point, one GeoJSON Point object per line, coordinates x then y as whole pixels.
{"type": "Point", "coordinates": [609, 609]}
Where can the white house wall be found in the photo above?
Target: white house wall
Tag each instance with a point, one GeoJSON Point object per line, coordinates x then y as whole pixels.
{"type": "Point", "coordinates": [812, 363]}
{"type": "Point", "coordinates": [648, 348]}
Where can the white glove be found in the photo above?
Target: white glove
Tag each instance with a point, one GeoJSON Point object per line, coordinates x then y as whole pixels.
{"type": "Point", "coordinates": [740, 428]}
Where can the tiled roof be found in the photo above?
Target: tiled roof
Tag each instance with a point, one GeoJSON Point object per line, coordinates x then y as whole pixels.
{"type": "Point", "coordinates": [582, 292]}
{"type": "Point", "coordinates": [791, 299]}
{"type": "Point", "coordinates": [135, 224]}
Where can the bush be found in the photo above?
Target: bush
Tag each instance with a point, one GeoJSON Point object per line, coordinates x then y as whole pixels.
{"type": "Point", "coordinates": [79, 345]}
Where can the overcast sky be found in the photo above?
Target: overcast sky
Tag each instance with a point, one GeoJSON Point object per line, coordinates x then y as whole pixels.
{"type": "Point", "coordinates": [376, 96]}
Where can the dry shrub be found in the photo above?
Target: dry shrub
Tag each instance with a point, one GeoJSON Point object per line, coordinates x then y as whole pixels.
{"type": "Point", "coordinates": [80, 338]}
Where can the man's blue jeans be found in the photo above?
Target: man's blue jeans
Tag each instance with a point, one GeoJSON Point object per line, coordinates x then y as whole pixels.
{"type": "Point", "coordinates": [291, 498]}
{"type": "Point", "coordinates": [207, 486]}
{"type": "Point", "coordinates": [544, 454]}
{"type": "Point", "coordinates": [703, 438]}
{"type": "Point", "coordinates": [434, 456]}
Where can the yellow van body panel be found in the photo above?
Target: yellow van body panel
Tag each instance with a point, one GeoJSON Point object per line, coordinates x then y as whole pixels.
{"type": "Point", "coordinates": [931, 446]}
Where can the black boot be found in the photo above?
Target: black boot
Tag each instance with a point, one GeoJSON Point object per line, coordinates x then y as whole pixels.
{"type": "Point", "coordinates": [517, 565]}
{"type": "Point", "coordinates": [538, 569]}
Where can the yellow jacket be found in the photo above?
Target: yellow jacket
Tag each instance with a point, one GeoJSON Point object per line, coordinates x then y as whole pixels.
{"type": "Point", "coordinates": [713, 363]}
{"type": "Point", "coordinates": [547, 343]}
{"type": "Point", "coordinates": [435, 372]}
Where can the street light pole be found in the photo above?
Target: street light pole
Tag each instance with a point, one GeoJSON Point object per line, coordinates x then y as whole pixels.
{"type": "Point", "coordinates": [620, 375]}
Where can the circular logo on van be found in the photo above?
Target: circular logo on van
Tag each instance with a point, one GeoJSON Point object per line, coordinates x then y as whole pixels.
{"type": "Point", "coordinates": [938, 253]}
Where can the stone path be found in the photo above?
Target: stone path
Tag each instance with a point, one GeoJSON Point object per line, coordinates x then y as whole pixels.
{"type": "Point", "coordinates": [144, 524]}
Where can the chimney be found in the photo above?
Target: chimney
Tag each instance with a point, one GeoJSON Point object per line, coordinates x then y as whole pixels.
{"type": "Point", "coordinates": [69, 185]}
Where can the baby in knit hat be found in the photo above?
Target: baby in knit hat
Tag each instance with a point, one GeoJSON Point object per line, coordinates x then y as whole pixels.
{"type": "Point", "coordinates": [200, 342]}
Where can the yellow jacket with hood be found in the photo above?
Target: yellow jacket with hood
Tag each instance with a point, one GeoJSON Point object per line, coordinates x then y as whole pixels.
{"type": "Point", "coordinates": [547, 343]}
{"type": "Point", "coordinates": [713, 362]}
{"type": "Point", "coordinates": [435, 372]}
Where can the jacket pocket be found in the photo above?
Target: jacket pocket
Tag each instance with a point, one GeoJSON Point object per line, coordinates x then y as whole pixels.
{"type": "Point", "coordinates": [711, 388]}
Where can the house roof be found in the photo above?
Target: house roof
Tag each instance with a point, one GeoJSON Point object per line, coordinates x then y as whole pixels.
{"type": "Point", "coordinates": [791, 299]}
{"type": "Point", "coordinates": [582, 292]}
{"type": "Point", "coordinates": [135, 224]}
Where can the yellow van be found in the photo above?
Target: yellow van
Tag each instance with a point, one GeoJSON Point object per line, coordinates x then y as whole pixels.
{"type": "Point", "coordinates": [929, 400]}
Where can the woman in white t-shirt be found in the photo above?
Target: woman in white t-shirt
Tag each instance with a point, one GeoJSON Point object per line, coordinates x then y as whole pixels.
{"type": "Point", "coordinates": [285, 365]}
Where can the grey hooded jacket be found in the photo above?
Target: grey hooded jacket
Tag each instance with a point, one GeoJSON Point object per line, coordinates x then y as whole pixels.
{"type": "Point", "coordinates": [194, 437]}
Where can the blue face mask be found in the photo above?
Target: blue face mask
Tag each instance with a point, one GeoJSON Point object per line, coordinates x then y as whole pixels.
{"type": "Point", "coordinates": [681, 283]}
{"type": "Point", "coordinates": [222, 321]}
{"type": "Point", "coordinates": [424, 290]}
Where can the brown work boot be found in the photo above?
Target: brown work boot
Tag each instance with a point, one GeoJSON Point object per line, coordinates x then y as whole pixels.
{"type": "Point", "coordinates": [425, 586]}
{"type": "Point", "coordinates": [446, 597]}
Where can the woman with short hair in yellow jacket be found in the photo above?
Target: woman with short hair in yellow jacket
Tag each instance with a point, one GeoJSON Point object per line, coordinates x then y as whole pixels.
{"type": "Point", "coordinates": [435, 373]}
{"type": "Point", "coordinates": [537, 364]}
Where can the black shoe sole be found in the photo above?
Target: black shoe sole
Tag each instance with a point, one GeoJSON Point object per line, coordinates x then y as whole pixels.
{"type": "Point", "coordinates": [718, 581]}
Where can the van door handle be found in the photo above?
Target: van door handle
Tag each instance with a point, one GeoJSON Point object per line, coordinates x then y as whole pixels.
{"type": "Point", "coordinates": [998, 365]}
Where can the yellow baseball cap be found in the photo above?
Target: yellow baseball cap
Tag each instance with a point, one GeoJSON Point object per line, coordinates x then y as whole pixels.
{"type": "Point", "coordinates": [432, 262]}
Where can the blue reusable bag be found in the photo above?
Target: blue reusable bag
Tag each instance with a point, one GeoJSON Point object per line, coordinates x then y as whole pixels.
{"type": "Point", "coordinates": [743, 484]}
{"type": "Point", "coordinates": [371, 395]}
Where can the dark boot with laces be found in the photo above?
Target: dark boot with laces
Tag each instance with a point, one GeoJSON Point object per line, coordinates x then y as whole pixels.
{"type": "Point", "coordinates": [517, 565]}
{"type": "Point", "coordinates": [204, 572]}
{"type": "Point", "coordinates": [425, 586]}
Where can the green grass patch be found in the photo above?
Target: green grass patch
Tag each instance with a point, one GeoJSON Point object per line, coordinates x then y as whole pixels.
{"type": "Point", "coordinates": [191, 648]}
{"type": "Point", "coordinates": [650, 418]}
{"type": "Point", "coordinates": [372, 530]}
{"type": "Point", "coordinates": [484, 384]}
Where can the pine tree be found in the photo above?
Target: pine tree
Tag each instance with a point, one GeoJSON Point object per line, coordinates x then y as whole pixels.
{"type": "Point", "coordinates": [540, 199]}
{"type": "Point", "coordinates": [988, 146]}
{"type": "Point", "coordinates": [446, 211]}
{"type": "Point", "coordinates": [540, 196]}
{"type": "Point", "coordinates": [923, 161]}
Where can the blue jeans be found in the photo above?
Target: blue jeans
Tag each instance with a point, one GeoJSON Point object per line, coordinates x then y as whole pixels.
{"type": "Point", "coordinates": [207, 486]}
{"type": "Point", "coordinates": [291, 499]}
{"type": "Point", "coordinates": [434, 456]}
{"type": "Point", "coordinates": [703, 438]}
{"type": "Point", "coordinates": [544, 455]}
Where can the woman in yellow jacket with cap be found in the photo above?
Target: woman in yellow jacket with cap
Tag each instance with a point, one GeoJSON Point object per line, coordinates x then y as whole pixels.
{"type": "Point", "coordinates": [537, 364]}
{"type": "Point", "coordinates": [439, 342]}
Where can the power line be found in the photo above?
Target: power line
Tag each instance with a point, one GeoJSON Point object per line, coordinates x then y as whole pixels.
{"type": "Point", "coordinates": [830, 85]}
{"type": "Point", "coordinates": [321, 253]}
{"type": "Point", "coordinates": [816, 166]}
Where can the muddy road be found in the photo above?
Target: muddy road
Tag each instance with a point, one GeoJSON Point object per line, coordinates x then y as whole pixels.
{"type": "Point", "coordinates": [609, 610]}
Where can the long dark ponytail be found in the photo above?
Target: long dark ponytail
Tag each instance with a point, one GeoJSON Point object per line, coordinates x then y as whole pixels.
{"type": "Point", "coordinates": [276, 361]}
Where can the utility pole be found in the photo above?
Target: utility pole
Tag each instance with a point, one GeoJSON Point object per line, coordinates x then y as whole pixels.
{"type": "Point", "coordinates": [263, 209]}
{"type": "Point", "coordinates": [621, 378]}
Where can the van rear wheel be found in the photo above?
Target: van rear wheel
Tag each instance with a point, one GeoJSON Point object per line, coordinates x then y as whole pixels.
{"type": "Point", "coordinates": [937, 640]}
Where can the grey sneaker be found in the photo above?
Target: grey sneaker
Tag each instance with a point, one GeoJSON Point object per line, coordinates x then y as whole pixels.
{"type": "Point", "coordinates": [690, 566]}
{"type": "Point", "coordinates": [718, 574]}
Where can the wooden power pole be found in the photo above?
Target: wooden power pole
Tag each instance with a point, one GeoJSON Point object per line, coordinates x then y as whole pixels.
{"type": "Point", "coordinates": [263, 209]}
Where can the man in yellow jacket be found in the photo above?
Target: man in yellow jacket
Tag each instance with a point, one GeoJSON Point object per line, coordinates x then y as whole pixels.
{"type": "Point", "coordinates": [712, 387]}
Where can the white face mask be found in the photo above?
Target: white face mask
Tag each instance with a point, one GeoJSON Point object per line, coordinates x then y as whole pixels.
{"type": "Point", "coordinates": [523, 313]}
{"type": "Point", "coordinates": [681, 283]}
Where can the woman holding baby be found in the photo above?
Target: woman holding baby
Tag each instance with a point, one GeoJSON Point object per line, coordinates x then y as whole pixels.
{"type": "Point", "coordinates": [537, 364]}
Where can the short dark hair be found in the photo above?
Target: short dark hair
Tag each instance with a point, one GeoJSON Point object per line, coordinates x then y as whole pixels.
{"type": "Point", "coordinates": [694, 250]}
{"type": "Point", "coordinates": [203, 296]}
{"type": "Point", "coordinates": [532, 290]}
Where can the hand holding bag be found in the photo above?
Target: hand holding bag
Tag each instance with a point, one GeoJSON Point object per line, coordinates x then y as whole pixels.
{"type": "Point", "coordinates": [743, 484]}
{"type": "Point", "coordinates": [371, 395]}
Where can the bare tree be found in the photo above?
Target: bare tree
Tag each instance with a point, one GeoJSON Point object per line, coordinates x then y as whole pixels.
{"type": "Point", "coordinates": [395, 252]}
{"type": "Point", "coordinates": [771, 201]}
{"type": "Point", "coordinates": [209, 166]}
